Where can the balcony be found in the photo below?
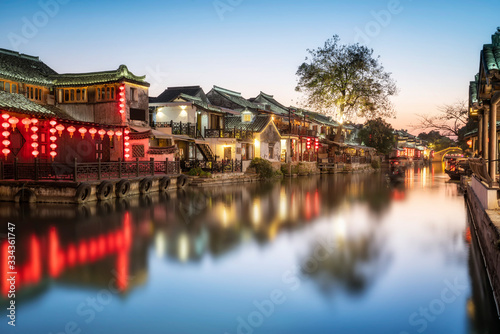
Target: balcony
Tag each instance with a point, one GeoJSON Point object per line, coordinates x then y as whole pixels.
{"type": "Point", "coordinates": [180, 128]}
{"type": "Point", "coordinates": [236, 133]}
{"type": "Point", "coordinates": [297, 130]}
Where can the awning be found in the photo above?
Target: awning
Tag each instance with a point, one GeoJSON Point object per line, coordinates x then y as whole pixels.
{"type": "Point", "coordinates": [140, 128]}
{"type": "Point", "coordinates": [161, 135]}
{"type": "Point", "coordinates": [181, 137]}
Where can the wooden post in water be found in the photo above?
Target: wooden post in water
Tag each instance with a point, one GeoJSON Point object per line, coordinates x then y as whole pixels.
{"type": "Point", "coordinates": [75, 170]}
{"type": "Point", "coordinates": [36, 169]}
{"type": "Point", "coordinates": [99, 169]}
{"type": "Point", "coordinates": [16, 174]}
{"type": "Point", "coordinates": [120, 168]}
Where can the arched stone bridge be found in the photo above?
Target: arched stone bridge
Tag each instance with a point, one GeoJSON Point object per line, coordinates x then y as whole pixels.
{"type": "Point", "coordinates": [439, 156]}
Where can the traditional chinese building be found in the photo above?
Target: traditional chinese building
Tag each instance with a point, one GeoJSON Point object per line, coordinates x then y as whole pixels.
{"type": "Point", "coordinates": [62, 117]}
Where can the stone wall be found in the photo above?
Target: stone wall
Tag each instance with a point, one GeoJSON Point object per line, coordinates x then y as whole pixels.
{"type": "Point", "coordinates": [487, 225]}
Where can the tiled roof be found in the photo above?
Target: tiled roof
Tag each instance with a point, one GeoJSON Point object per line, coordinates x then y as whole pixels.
{"type": "Point", "coordinates": [258, 124]}
{"type": "Point", "coordinates": [77, 79]}
{"type": "Point", "coordinates": [320, 118]}
{"type": "Point", "coordinates": [235, 97]}
{"type": "Point", "coordinates": [171, 93]}
{"type": "Point", "coordinates": [20, 104]}
{"type": "Point", "coordinates": [23, 68]}
{"type": "Point", "coordinates": [490, 55]}
{"type": "Point", "coordinates": [269, 100]}
{"type": "Point", "coordinates": [200, 103]}
{"type": "Point", "coordinates": [31, 70]}
{"type": "Point", "coordinates": [473, 93]}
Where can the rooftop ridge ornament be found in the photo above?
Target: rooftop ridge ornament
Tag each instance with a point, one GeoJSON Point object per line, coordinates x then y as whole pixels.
{"type": "Point", "coordinates": [496, 37]}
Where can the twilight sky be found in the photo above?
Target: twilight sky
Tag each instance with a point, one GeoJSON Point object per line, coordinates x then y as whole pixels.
{"type": "Point", "coordinates": [431, 47]}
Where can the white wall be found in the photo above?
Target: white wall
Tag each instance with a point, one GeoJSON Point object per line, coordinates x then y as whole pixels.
{"type": "Point", "coordinates": [174, 113]}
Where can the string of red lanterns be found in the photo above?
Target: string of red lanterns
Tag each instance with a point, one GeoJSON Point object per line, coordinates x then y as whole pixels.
{"type": "Point", "coordinates": [53, 139]}
{"type": "Point", "coordinates": [6, 134]}
{"type": "Point", "coordinates": [122, 99]}
{"type": "Point", "coordinates": [126, 143]}
{"type": "Point", "coordinates": [34, 136]}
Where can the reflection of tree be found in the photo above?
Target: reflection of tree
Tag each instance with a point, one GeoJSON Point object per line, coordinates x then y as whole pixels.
{"type": "Point", "coordinates": [352, 263]}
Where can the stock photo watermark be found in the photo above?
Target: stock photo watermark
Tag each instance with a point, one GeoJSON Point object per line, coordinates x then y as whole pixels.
{"type": "Point", "coordinates": [222, 7]}
{"type": "Point", "coordinates": [87, 310]}
{"type": "Point", "coordinates": [30, 26]}
{"type": "Point", "coordinates": [291, 279]}
{"type": "Point", "coordinates": [381, 20]}
{"type": "Point", "coordinates": [424, 316]}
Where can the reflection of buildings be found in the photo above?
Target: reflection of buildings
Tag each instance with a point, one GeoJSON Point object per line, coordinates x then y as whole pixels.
{"type": "Point", "coordinates": [91, 242]}
{"type": "Point", "coordinates": [93, 255]}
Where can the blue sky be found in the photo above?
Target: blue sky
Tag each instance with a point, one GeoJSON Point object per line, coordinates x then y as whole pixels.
{"type": "Point", "coordinates": [431, 47]}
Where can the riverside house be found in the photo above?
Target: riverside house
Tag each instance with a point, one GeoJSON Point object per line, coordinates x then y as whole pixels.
{"type": "Point", "coordinates": [84, 116]}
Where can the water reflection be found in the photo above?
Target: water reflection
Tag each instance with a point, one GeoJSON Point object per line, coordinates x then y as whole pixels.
{"type": "Point", "coordinates": [369, 225]}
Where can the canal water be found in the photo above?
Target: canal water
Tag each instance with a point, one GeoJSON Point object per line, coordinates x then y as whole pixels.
{"type": "Point", "coordinates": [343, 254]}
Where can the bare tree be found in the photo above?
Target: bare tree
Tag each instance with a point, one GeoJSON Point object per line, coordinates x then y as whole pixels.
{"type": "Point", "coordinates": [451, 118]}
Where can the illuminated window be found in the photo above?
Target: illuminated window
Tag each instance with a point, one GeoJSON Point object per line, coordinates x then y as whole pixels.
{"type": "Point", "coordinates": [9, 87]}
{"type": "Point", "coordinates": [105, 93]}
{"type": "Point", "coordinates": [72, 95]}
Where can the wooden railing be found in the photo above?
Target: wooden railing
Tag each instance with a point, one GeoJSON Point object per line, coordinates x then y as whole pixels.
{"type": "Point", "coordinates": [297, 131]}
{"type": "Point", "coordinates": [86, 171]}
{"type": "Point", "coordinates": [222, 166]}
{"type": "Point", "coordinates": [229, 133]}
{"type": "Point", "coordinates": [180, 128]}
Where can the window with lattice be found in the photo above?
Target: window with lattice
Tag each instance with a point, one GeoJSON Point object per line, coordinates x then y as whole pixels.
{"type": "Point", "coordinates": [138, 151]}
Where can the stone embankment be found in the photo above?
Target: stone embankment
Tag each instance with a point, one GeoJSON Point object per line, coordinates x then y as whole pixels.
{"type": "Point", "coordinates": [486, 223]}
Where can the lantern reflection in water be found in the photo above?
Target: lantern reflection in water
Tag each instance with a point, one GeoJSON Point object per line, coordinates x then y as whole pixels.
{"type": "Point", "coordinates": [62, 258]}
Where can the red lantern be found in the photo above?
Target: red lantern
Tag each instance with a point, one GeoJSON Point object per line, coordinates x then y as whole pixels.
{"type": "Point", "coordinates": [34, 121]}
{"type": "Point", "coordinates": [110, 133]}
{"type": "Point", "coordinates": [6, 142]}
{"type": "Point", "coordinates": [34, 145]}
{"type": "Point", "coordinates": [52, 131]}
{"type": "Point", "coordinates": [26, 122]}
{"type": "Point", "coordinates": [5, 125]}
{"type": "Point", "coordinates": [53, 154]}
{"type": "Point", "coordinates": [60, 128]}
{"type": "Point", "coordinates": [35, 153]}
{"type": "Point", "coordinates": [52, 123]}
{"type": "Point", "coordinates": [5, 116]}
{"type": "Point", "coordinates": [71, 129]}
{"type": "Point", "coordinates": [13, 121]}
{"type": "Point", "coordinates": [34, 128]}
{"type": "Point", "coordinates": [53, 138]}
{"type": "Point", "coordinates": [92, 132]}
{"type": "Point", "coordinates": [53, 146]}
{"type": "Point", "coordinates": [102, 132]}
{"type": "Point", "coordinates": [6, 152]}
{"type": "Point", "coordinates": [118, 134]}
{"type": "Point", "coordinates": [34, 137]}
{"type": "Point", "coordinates": [126, 131]}
{"type": "Point", "coordinates": [82, 131]}
{"type": "Point", "coordinates": [6, 133]}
